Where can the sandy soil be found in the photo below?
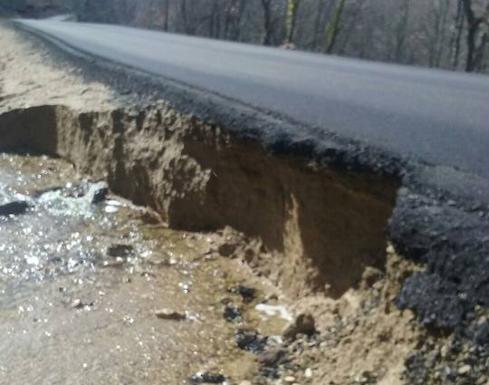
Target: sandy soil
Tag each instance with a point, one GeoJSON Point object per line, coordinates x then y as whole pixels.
{"type": "Point", "coordinates": [28, 78]}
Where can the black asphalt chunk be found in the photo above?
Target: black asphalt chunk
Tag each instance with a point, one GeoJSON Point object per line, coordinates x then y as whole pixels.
{"type": "Point", "coordinates": [13, 208]}
{"type": "Point", "coordinates": [251, 341]}
{"type": "Point", "coordinates": [454, 245]}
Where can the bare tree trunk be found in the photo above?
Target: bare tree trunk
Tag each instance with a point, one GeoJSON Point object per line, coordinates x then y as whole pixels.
{"type": "Point", "coordinates": [268, 21]}
{"type": "Point", "coordinates": [167, 16]}
{"type": "Point", "coordinates": [442, 32]}
{"type": "Point", "coordinates": [401, 31]}
{"type": "Point", "coordinates": [213, 19]}
{"type": "Point", "coordinates": [228, 18]}
{"type": "Point", "coordinates": [334, 27]}
{"type": "Point", "coordinates": [317, 24]}
{"type": "Point", "coordinates": [242, 7]}
{"type": "Point", "coordinates": [479, 56]}
{"type": "Point", "coordinates": [457, 35]}
{"type": "Point", "coordinates": [291, 20]}
{"type": "Point", "coordinates": [350, 26]}
{"type": "Point", "coordinates": [184, 15]}
{"type": "Point", "coordinates": [473, 27]}
{"type": "Point", "coordinates": [437, 39]}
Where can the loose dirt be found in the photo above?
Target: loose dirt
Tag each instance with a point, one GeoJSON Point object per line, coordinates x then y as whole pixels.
{"type": "Point", "coordinates": [29, 77]}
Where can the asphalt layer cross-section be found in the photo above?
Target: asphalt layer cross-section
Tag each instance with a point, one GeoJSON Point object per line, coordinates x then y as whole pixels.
{"type": "Point", "coordinates": [436, 116]}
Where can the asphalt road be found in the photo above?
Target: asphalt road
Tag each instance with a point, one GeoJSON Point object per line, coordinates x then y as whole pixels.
{"type": "Point", "coordinates": [436, 116]}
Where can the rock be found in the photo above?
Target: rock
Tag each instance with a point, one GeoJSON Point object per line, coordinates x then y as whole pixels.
{"type": "Point", "coordinates": [308, 373]}
{"type": "Point", "coordinates": [232, 313]}
{"type": "Point", "coordinates": [273, 357]}
{"type": "Point", "coordinates": [171, 315]}
{"type": "Point", "coordinates": [245, 383]}
{"type": "Point", "coordinates": [390, 249]}
{"type": "Point", "coordinates": [13, 208]}
{"type": "Point", "coordinates": [464, 369]}
{"type": "Point", "coordinates": [98, 192]}
{"type": "Point", "coordinates": [227, 249]}
{"type": "Point", "coordinates": [120, 251]}
{"type": "Point", "coordinates": [247, 293]}
{"type": "Point", "coordinates": [366, 377]}
{"type": "Point", "coordinates": [100, 195]}
{"type": "Point", "coordinates": [444, 351]}
{"type": "Point", "coordinates": [251, 341]}
{"type": "Point", "coordinates": [303, 324]}
{"type": "Point", "coordinates": [207, 378]}
{"type": "Point", "coordinates": [289, 379]}
{"type": "Point", "coordinates": [77, 304]}
{"type": "Point", "coordinates": [118, 262]}
{"type": "Point", "coordinates": [271, 360]}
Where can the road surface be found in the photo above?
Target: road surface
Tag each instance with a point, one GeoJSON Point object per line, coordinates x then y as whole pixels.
{"type": "Point", "coordinates": [436, 116]}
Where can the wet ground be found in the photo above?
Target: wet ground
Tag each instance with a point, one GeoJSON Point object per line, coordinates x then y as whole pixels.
{"type": "Point", "coordinates": [91, 293]}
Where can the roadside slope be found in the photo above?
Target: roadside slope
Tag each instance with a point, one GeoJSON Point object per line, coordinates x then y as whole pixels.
{"type": "Point", "coordinates": [434, 224]}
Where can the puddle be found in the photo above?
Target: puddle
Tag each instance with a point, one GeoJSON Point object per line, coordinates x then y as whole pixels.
{"type": "Point", "coordinates": [80, 284]}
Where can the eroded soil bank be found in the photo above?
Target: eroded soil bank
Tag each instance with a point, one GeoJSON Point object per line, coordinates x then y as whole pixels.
{"type": "Point", "coordinates": [310, 239]}
{"type": "Point", "coordinates": [319, 228]}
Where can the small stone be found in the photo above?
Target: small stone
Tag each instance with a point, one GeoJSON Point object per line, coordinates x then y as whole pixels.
{"type": "Point", "coordinates": [245, 383]}
{"type": "Point", "coordinates": [308, 373]}
{"type": "Point", "coordinates": [247, 293]}
{"type": "Point", "coordinates": [99, 192]}
{"type": "Point", "coordinates": [464, 369]}
{"type": "Point", "coordinates": [273, 357]}
{"type": "Point", "coordinates": [77, 304]}
{"type": "Point", "coordinates": [227, 249]}
{"type": "Point", "coordinates": [303, 324]}
{"type": "Point", "coordinates": [207, 378]}
{"type": "Point", "coordinates": [118, 262]}
{"type": "Point", "coordinates": [120, 250]}
{"type": "Point", "coordinates": [251, 341]}
{"type": "Point", "coordinates": [365, 377]}
{"type": "Point", "coordinates": [171, 315]}
{"type": "Point", "coordinates": [444, 351]}
{"type": "Point", "coordinates": [232, 313]}
{"type": "Point", "coordinates": [289, 379]}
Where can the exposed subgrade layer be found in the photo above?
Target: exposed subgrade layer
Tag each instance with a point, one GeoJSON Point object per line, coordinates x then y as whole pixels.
{"type": "Point", "coordinates": [320, 227]}
{"type": "Point", "coordinates": [440, 215]}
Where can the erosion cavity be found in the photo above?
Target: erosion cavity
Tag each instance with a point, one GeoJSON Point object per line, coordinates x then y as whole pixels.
{"type": "Point", "coordinates": [318, 228]}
